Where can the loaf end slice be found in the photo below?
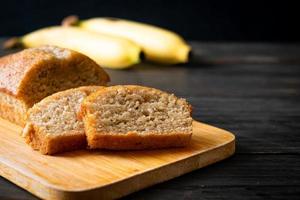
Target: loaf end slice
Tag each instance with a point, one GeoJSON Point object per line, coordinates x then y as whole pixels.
{"type": "Point", "coordinates": [53, 125]}
{"type": "Point", "coordinates": [135, 117]}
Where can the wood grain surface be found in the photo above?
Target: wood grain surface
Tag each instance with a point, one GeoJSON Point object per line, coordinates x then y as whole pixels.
{"type": "Point", "coordinates": [105, 174]}
{"type": "Point", "coordinates": [259, 102]}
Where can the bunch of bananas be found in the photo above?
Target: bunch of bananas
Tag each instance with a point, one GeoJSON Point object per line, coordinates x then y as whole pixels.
{"type": "Point", "coordinates": [112, 43]}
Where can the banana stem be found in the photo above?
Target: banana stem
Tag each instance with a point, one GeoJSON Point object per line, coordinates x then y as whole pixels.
{"type": "Point", "coordinates": [72, 20]}
{"type": "Point", "coordinates": [11, 43]}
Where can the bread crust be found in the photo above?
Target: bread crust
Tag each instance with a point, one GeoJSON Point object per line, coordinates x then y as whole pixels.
{"type": "Point", "coordinates": [133, 141]}
{"type": "Point", "coordinates": [51, 144]}
{"type": "Point", "coordinates": [47, 144]}
{"type": "Point", "coordinates": [15, 68]}
{"type": "Point", "coordinates": [130, 140]}
{"type": "Point", "coordinates": [18, 70]}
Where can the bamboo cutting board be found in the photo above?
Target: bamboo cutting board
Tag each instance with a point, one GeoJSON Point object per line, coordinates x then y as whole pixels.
{"type": "Point", "coordinates": [105, 174]}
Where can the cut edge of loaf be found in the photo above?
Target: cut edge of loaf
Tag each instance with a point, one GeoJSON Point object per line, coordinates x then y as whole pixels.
{"type": "Point", "coordinates": [132, 139]}
{"type": "Point", "coordinates": [48, 142]}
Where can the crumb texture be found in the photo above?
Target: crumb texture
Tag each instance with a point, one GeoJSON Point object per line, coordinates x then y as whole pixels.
{"type": "Point", "coordinates": [57, 114]}
{"type": "Point", "coordinates": [53, 125]}
{"type": "Point", "coordinates": [136, 109]}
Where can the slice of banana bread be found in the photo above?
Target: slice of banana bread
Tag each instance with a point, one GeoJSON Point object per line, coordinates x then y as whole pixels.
{"type": "Point", "coordinates": [28, 76]}
{"type": "Point", "coordinates": [135, 117]}
{"type": "Point", "coordinates": [53, 125]}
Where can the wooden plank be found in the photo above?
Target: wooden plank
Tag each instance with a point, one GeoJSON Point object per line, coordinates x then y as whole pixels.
{"type": "Point", "coordinates": [219, 193]}
{"type": "Point", "coordinates": [260, 124]}
{"type": "Point", "coordinates": [105, 174]}
{"type": "Point", "coordinates": [242, 171]}
{"type": "Point", "coordinates": [222, 81]}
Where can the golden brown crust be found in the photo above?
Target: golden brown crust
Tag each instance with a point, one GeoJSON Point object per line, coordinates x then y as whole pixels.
{"type": "Point", "coordinates": [130, 140]}
{"type": "Point", "coordinates": [135, 141]}
{"type": "Point", "coordinates": [47, 144]}
{"type": "Point", "coordinates": [15, 67]}
{"type": "Point", "coordinates": [66, 143]}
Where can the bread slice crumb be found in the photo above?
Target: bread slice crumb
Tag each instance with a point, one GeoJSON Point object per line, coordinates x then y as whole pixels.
{"type": "Point", "coordinates": [53, 125]}
{"type": "Point", "coordinates": [135, 117]}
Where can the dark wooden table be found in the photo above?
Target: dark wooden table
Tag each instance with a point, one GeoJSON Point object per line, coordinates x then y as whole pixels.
{"type": "Point", "coordinates": [254, 92]}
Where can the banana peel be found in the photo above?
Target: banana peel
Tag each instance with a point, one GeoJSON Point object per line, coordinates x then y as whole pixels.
{"type": "Point", "coordinates": [108, 51]}
{"type": "Point", "coordinates": [159, 45]}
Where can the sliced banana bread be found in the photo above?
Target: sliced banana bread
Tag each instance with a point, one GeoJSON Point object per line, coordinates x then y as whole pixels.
{"type": "Point", "coordinates": [135, 117]}
{"type": "Point", "coordinates": [28, 76]}
{"type": "Point", "coordinates": [52, 124]}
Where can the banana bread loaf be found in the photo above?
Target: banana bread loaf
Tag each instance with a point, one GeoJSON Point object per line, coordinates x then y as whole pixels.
{"type": "Point", "coordinates": [28, 76]}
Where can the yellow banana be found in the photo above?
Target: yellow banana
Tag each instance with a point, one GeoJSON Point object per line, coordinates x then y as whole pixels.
{"type": "Point", "coordinates": [158, 44]}
{"type": "Point", "coordinates": [108, 51]}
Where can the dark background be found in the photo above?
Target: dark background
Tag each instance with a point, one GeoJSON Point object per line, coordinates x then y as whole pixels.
{"type": "Point", "coordinates": [266, 21]}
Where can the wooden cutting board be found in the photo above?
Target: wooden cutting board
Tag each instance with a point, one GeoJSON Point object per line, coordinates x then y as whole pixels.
{"type": "Point", "coordinates": [105, 174]}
